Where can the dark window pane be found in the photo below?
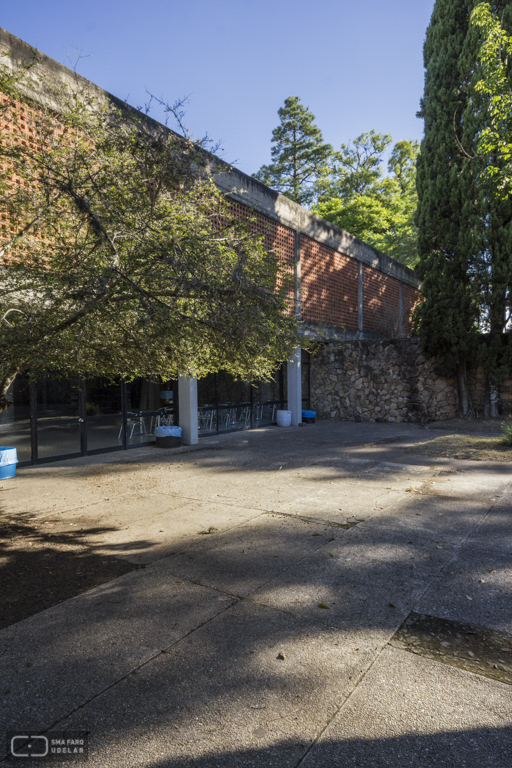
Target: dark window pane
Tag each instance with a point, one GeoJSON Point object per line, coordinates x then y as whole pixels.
{"type": "Point", "coordinates": [15, 421]}
{"type": "Point", "coordinates": [104, 414]}
{"type": "Point", "coordinates": [58, 426]}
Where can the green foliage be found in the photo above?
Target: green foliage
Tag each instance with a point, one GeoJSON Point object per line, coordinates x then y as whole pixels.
{"type": "Point", "coordinates": [494, 141]}
{"type": "Point", "coordinates": [120, 257]}
{"type": "Point", "coordinates": [506, 433]}
{"type": "Point", "coordinates": [298, 153]}
{"type": "Point", "coordinates": [465, 233]}
{"type": "Point", "coordinates": [354, 194]}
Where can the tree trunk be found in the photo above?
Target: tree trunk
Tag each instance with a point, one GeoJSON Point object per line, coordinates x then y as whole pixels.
{"type": "Point", "coordinates": [5, 383]}
{"type": "Point", "coordinates": [462, 385]}
{"type": "Point", "coordinates": [492, 399]}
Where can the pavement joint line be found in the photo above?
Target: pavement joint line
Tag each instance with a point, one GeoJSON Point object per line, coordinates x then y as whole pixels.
{"type": "Point", "coordinates": [130, 493]}
{"type": "Point", "coordinates": [43, 515]}
{"type": "Point", "coordinates": [272, 578]}
{"type": "Point", "coordinates": [314, 520]}
{"type": "Point", "coordinates": [195, 543]}
{"type": "Point", "coordinates": [357, 683]}
{"type": "Point", "coordinates": [134, 669]}
{"type": "Point", "coordinates": [386, 644]}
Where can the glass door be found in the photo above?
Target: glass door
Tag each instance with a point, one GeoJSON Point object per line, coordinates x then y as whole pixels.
{"type": "Point", "coordinates": [15, 421]}
{"type": "Point", "coordinates": [103, 415]}
{"type": "Point", "coordinates": [59, 419]}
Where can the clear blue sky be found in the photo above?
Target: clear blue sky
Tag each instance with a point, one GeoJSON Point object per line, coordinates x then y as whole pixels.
{"type": "Point", "coordinates": [356, 65]}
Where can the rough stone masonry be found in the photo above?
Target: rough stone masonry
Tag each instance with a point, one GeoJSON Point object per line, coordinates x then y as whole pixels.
{"type": "Point", "coordinates": [388, 381]}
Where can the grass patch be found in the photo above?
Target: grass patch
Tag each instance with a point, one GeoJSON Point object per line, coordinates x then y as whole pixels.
{"type": "Point", "coordinates": [465, 447]}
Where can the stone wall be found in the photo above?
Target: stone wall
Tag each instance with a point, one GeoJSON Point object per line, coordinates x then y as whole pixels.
{"type": "Point", "coordinates": [379, 381]}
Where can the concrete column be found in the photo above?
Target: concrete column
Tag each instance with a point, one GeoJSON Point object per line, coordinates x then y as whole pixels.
{"type": "Point", "coordinates": [187, 397]}
{"type": "Point", "coordinates": [294, 380]}
{"type": "Point", "coordinates": [400, 310]}
{"type": "Point", "coordinates": [360, 298]}
{"type": "Point", "coordinates": [298, 278]}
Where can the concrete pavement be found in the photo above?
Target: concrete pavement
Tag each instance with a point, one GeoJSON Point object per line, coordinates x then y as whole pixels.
{"type": "Point", "coordinates": [278, 567]}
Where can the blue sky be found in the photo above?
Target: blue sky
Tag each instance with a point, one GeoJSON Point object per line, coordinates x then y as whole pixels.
{"type": "Point", "coordinates": [357, 65]}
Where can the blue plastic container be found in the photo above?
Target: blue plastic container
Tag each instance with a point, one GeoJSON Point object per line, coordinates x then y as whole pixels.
{"type": "Point", "coordinates": [8, 461]}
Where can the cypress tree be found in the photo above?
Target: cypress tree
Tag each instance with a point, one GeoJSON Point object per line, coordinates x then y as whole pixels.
{"type": "Point", "coordinates": [298, 153]}
{"type": "Point", "coordinates": [464, 233]}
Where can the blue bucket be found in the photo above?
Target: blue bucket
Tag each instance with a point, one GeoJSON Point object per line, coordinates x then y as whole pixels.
{"type": "Point", "coordinates": [8, 461]}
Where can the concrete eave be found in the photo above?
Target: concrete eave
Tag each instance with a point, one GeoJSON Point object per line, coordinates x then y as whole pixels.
{"type": "Point", "coordinates": [233, 182]}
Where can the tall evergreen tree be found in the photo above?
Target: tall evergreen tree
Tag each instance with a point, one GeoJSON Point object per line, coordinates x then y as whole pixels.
{"type": "Point", "coordinates": [462, 232]}
{"type": "Point", "coordinates": [298, 153]}
{"type": "Point", "coordinates": [495, 201]}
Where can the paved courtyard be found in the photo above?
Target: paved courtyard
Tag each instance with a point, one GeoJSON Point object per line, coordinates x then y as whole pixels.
{"type": "Point", "coordinates": [318, 596]}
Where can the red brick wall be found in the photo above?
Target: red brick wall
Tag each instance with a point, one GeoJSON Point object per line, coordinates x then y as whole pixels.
{"type": "Point", "coordinates": [381, 296]}
{"type": "Point", "coordinates": [329, 285]}
{"type": "Point", "coordinates": [410, 298]}
{"type": "Point", "coordinates": [276, 238]}
{"type": "Point", "coordinates": [329, 278]}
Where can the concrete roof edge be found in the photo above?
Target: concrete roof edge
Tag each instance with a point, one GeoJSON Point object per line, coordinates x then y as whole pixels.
{"type": "Point", "coordinates": [235, 183]}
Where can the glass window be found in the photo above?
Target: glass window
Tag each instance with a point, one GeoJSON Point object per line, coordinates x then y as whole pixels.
{"type": "Point", "coordinates": [143, 410]}
{"type": "Point", "coordinates": [15, 420]}
{"type": "Point", "coordinates": [103, 414]}
{"type": "Point", "coordinates": [207, 405]}
{"type": "Point", "coordinates": [234, 403]}
{"type": "Point", "coordinates": [58, 416]}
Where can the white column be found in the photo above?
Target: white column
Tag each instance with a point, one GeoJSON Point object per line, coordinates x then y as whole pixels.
{"type": "Point", "coordinates": [187, 403]}
{"type": "Point", "coordinates": [294, 381]}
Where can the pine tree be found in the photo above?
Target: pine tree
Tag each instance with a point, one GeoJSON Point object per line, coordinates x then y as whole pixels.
{"type": "Point", "coordinates": [462, 232]}
{"type": "Point", "coordinates": [298, 153]}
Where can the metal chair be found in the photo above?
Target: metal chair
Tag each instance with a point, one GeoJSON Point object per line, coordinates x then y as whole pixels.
{"type": "Point", "coordinates": [133, 421]}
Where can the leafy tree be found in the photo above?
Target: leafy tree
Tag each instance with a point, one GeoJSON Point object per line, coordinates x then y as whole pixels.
{"type": "Point", "coordinates": [119, 256]}
{"type": "Point", "coordinates": [494, 142]}
{"type": "Point", "coordinates": [354, 194]}
{"type": "Point", "coordinates": [298, 153]}
{"type": "Point", "coordinates": [464, 235]}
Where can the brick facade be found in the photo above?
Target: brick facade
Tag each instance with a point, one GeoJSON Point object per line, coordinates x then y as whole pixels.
{"type": "Point", "coordinates": [329, 282]}
{"type": "Point", "coordinates": [331, 261]}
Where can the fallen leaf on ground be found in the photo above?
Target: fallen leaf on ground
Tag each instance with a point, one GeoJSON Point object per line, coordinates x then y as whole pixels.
{"type": "Point", "coordinates": [468, 597]}
{"type": "Point", "coordinates": [323, 605]}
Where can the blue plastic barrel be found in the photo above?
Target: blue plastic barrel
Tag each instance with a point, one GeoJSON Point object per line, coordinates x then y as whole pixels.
{"type": "Point", "coordinates": [8, 461]}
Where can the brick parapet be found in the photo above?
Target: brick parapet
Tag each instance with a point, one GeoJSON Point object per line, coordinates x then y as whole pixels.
{"type": "Point", "coordinates": [329, 256]}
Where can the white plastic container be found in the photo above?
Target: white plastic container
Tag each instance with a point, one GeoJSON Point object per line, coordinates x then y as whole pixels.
{"type": "Point", "coordinates": [284, 418]}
